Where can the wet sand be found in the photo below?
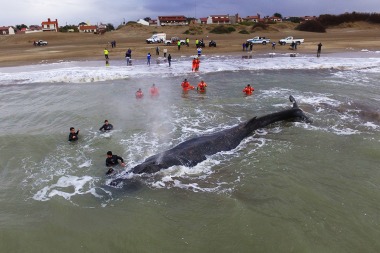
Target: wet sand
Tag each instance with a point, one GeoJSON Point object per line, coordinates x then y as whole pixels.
{"type": "Point", "coordinates": [19, 50]}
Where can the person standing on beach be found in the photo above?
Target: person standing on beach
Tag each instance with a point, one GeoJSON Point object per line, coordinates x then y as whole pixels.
{"type": "Point", "coordinates": [319, 49]}
{"type": "Point", "coordinates": [273, 45]}
{"type": "Point", "coordinates": [170, 60]}
{"type": "Point", "coordinates": [73, 136]}
{"type": "Point", "coordinates": [128, 57]}
{"type": "Point", "coordinates": [165, 52]}
{"type": "Point", "coordinates": [179, 44]}
{"type": "Point", "coordinates": [106, 53]}
{"type": "Point", "coordinates": [148, 59]}
{"type": "Point", "coordinates": [157, 50]}
{"type": "Point", "coordinates": [199, 50]}
{"type": "Point", "coordinates": [187, 42]}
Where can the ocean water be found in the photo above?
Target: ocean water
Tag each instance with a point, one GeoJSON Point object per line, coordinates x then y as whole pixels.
{"type": "Point", "coordinates": [290, 187]}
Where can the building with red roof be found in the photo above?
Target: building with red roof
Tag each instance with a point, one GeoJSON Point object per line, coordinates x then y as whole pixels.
{"type": "Point", "coordinates": [87, 28]}
{"type": "Point", "coordinates": [218, 19]}
{"type": "Point", "coordinates": [50, 26]}
{"type": "Point", "coordinates": [7, 30]}
{"type": "Point", "coordinates": [172, 20]}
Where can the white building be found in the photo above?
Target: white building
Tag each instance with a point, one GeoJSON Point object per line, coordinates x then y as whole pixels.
{"type": "Point", "coordinates": [143, 22]}
{"type": "Point", "coordinates": [7, 30]}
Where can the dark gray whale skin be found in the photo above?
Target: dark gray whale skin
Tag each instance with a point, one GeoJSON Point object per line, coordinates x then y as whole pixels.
{"type": "Point", "coordinates": [195, 150]}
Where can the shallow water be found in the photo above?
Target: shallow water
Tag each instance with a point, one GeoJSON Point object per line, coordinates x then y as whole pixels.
{"type": "Point", "coordinates": [291, 187]}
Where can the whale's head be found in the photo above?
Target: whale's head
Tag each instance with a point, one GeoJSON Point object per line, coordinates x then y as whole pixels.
{"type": "Point", "coordinates": [301, 116]}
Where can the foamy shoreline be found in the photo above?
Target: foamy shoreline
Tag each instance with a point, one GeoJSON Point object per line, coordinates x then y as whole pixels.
{"type": "Point", "coordinates": [97, 71]}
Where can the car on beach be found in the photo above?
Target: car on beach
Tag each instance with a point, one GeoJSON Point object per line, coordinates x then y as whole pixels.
{"type": "Point", "coordinates": [174, 41]}
{"type": "Point", "coordinates": [258, 40]}
{"type": "Point", "coordinates": [212, 43]}
{"type": "Point", "coordinates": [290, 40]}
{"type": "Point", "coordinates": [40, 43]}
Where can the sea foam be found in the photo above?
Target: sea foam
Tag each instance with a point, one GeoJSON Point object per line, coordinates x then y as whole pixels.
{"type": "Point", "coordinates": [92, 71]}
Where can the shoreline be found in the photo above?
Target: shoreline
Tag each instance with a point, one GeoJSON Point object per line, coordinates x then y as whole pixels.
{"type": "Point", "coordinates": [18, 50]}
{"type": "Point", "coordinates": [233, 55]}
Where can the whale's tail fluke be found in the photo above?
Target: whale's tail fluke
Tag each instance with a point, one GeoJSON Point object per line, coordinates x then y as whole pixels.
{"type": "Point", "coordinates": [293, 100]}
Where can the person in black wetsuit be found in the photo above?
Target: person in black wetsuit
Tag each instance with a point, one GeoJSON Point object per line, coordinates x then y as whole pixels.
{"type": "Point", "coordinates": [113, 160]}
{"type": "Point", "coordinates": [106, 127]}
{"type": "Point", "coordinates": [73, 136]}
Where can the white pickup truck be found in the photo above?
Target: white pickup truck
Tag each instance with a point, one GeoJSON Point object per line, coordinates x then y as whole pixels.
{"type": "Point", "coordinates": [290, 40]}
{"type": "Point", "coordinates": [156, 38]}
{"type": "Point", "coordinates": [259, 40]}
{"type": "Point", "coordinates": [40, 43]}
{"type": "Point", "coordinates": [174, 41]}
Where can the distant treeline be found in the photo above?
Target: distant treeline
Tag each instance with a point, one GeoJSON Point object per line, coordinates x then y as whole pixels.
{"type": "Point", "coordinates": [327, 20]}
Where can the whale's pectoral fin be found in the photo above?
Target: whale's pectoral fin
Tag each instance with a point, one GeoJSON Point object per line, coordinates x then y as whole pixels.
{"type": "Point", "coordinates": [293, 100]}
{"type": "Point", "coordinates": [116, 182]}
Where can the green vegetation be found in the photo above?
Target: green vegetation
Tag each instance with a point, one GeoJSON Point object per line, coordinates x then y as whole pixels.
{"type": "Point", "coordinates": [110, 27]}
{"type": "Point", "coordinates": [328, 20]}
{"type": "Point", "coordinates": [194, 30]}
{"type": "Point", "coordinates": [295, 19]}
{"type": "Point", "coordinates": [244, 32]}
{"type": "Point", "coordinates": [67, 28]}
{"type": "Point", "coordinates": [260, 25]}
{"type": "Point", "coordinates": [221, 29]}
{"type": "Point", "coordinates": [247, 23]}
{"type": "Point", "coordinates": [311, 26]}
{"type": "Point", "coordinates": [19, 27]}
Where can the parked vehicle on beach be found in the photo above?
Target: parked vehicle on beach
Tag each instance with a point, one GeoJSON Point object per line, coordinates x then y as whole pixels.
{"type": "Point", "coordinates": [41, 43]}
{"type": "Point", "coordinates": [290, 40]}
{"type": "Point", "coordinates": [212, 43]}
{"type": "Point", "coordinates": [174, 41]}
{"type": "Point", "coordinates": [156, 38]}
{"type": "Point", "coordinates": [258, 40]}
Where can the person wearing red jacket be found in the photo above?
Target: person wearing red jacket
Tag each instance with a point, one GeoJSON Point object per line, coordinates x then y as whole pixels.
{"type": "Point", "coordinates": [186, 85]}
{"type": "Point", "coordinates": [201, 86]}
{"type": "Point", "coordinates": [248, 90]}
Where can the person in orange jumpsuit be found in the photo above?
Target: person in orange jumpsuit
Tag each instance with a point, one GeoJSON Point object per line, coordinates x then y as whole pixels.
{"type": "Point", "coordinates": [139, 93]}
{"type": "Point", "coordinates": [197, 62]}
{"type": "Point", "coordinates": [248, 90]}
{"type": "Point", "coordinates": [186, 85]}
{"type": "Point", "coordinates": [153, 91]}
{"type": "Point", "coordinates": [194, 64]}
{"type": "Point", "coordinates": [201, 86]}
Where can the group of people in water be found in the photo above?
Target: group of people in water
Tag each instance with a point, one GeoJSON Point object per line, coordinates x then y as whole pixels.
{"type": "Point", "coordinates": [153, 92]}
{"type": "Point", "coordinates": [111, 160]}
{"type": "Point", "coordinates": [201, 87]}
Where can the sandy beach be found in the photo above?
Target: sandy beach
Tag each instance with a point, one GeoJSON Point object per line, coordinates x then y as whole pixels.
{"type": "Point", "coordinates": [19, 50]}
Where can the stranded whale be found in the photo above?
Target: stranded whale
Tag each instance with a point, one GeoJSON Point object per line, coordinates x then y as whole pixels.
{"type": "Point", "coordinates": [195, 150]}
